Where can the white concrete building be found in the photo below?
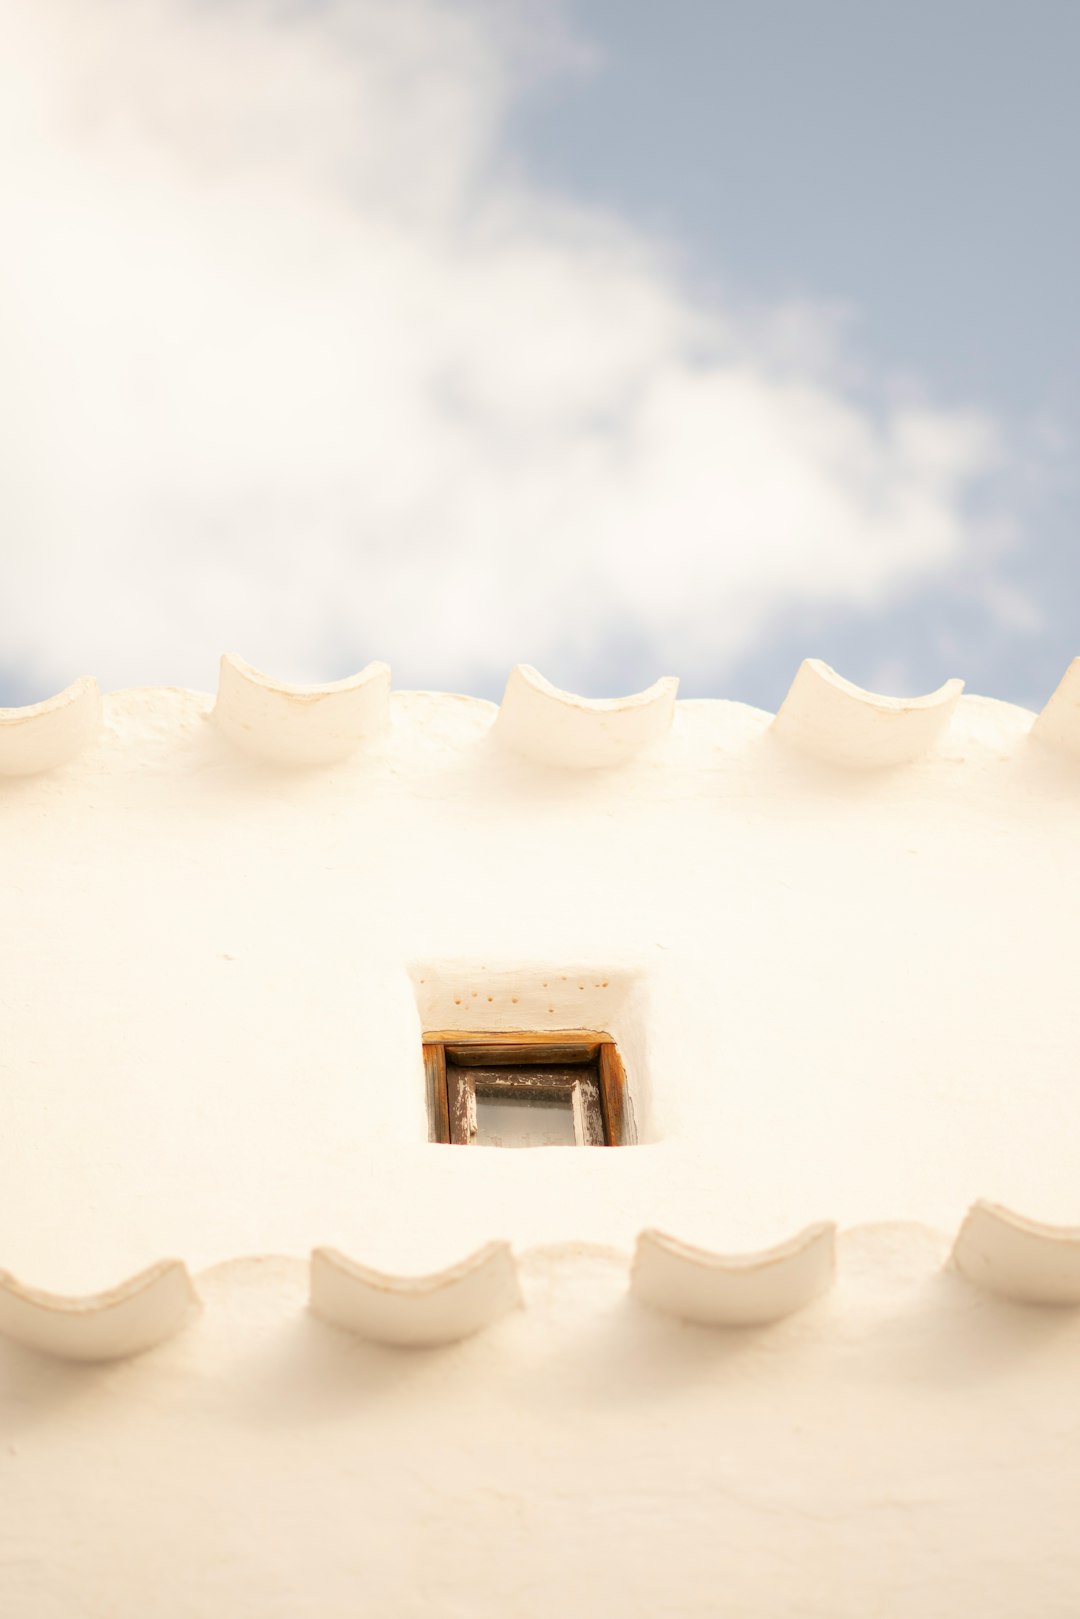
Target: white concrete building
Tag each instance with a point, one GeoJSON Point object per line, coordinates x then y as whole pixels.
{"type": "Point", "coordinates": [802, 1340]}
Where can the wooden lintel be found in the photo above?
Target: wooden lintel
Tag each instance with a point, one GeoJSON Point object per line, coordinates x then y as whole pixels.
{"type": "Point", "coordinates": [517, 1037]}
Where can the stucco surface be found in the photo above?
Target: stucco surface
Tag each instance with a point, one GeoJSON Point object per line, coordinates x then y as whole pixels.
{"type": "Point", "coordinates": [908, 1447]}
{"type": "Point", "coordinates": [841, 994]}
{"type": "Point", "coordinates": [839, 956]}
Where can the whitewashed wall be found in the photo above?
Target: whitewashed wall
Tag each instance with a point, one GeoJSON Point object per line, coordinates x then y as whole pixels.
{"type": "Point", "coordinates": [840, 954]}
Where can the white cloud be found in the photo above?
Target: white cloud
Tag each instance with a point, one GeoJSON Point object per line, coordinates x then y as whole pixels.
{"type": "Point", "coordinates": [297, 362]}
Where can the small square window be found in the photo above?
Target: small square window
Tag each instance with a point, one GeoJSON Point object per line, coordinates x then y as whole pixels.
{"type": "Point", "coordinates": [525, 1090]}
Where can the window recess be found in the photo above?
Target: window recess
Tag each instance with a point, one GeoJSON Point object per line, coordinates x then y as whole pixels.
{"type": "Point", "coordinates": [558, 1089]}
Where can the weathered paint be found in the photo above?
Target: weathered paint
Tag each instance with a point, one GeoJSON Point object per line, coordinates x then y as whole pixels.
{"type": "Point", "coordinates": [124, 1320]}
{"type": "Point", "coordinates": [1020, 1259]}
{"type": "Point", "coordinates": [417, 1311]}
{"type": "Point", "coordinates": [300, 725]}
{"type": "Point", "coordinates": [734, 1290]}
{"type": "Point", "coordinates": [559, 728]}
{"type": "Point", "coordinates": [42, 736]}
{"type": "Point", "coordinates": [829, 716]}
{"type": "Point", "coordinates": [1059, 723]}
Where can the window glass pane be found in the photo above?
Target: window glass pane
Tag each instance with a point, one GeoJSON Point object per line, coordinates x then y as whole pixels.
{"type": "Point", "coordinates": [504, 1119]}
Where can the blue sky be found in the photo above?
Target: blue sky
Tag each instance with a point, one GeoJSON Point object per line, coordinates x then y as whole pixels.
{"type": "Point", "coordinates": [912, 166]}
{"type": "Point", "coordinates": [618, 338]}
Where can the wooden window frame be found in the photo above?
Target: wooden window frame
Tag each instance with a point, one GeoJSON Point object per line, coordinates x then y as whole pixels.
{"type": "Point", "coordinates": [582, 1092]}
{"type": "Point", "coordinates": [601, 1115]}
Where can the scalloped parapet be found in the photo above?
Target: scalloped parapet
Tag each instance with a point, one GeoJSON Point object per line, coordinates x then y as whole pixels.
{"type": "Point", "coordinates": [415, 1311]}
{"type": "Point", "coordinates": [300, 725]}
{"type": "Point", "coordinates": [1059, 722]}
{"type": "Point", "coordinates": [555, 727]}
{"type": "Point", "coordinates": [1004, 1253]}
{"type": "Point", "coordinates": [829, 717]}
{"type": "Point", "coordinates": [44, 735]}
{"type": "Point", "coordinates": [743, 1290]}
{"type": "Point", "coordinates": [122, 1321]}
